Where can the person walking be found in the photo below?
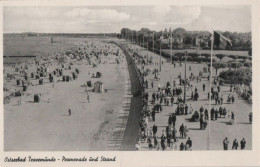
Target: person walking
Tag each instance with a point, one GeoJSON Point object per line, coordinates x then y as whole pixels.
{"type": "Point", "coordinates": [204, 86]}
{"type": "Point", "coordinates": [233, 99]}
{"type": "Point", "coordinates": [201, 123]}
{"type": "Point", "coordinates": [174, 119]}
{"type": "Point", "coordinates": [218, 88]}
{"type": "Point", "coordinates": [170, 120]}
{"type": "Point", "coordinates": [185, 132]}
{"type": "Point", "coordinates": [186, 109]}
{"type": "Point", "coordinates": [163, 138]}
{"type": "Point", "coordinates": [212, 111]}
{"type": "Point", "coordinates": [229, 114]}
{"type": "Point", "coordinates": [250, 117]}
{"type": "Point", "coordinates": [181, 130]}
{"type": "Point", "coordinates": [216, 114]}
{"type": "Point", "coordinates": [225, 143]}
{"type": "Point", "coordinates": [88, 97]}
{"type": "Point", "coordinates": [206, 114]}
{"type": "Point", "coordinates": [232, 118]}
{"type": "Point", "coordinates": [150, 145]}
{"type": "Point", "coordinates": [189, 142]}
{"type": "Point", "coordinates": [235, 145]}
{"type": "Point", "coordinates": [153, 115]}
{"type": "Point", "coordinates": [69, 112]}
{"type": "Point", "coordinates": [243, 144]}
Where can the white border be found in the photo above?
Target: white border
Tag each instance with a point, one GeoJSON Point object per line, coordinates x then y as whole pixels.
{"type": "Point", "coordinates": [194, 158]}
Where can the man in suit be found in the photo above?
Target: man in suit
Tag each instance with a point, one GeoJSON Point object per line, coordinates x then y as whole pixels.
{"type": "Point", "coordinates": [189, 142]}
{"type": "Point", "coordinates": [225, 143]}
{"type": "Point", "coordinates": [243, 144]}
{"type": "Point", "coordinates": [212, 111]}
{"type": "Point", "coordinates": [155, 128]}
{"type": "Point", "coordinates": [170, 120]}
{"type": "Point", "coordinates": [235, 145]}
{"type": "Point", "coordinates": [181, 130]}
{"type": "Point", "coordinates": [216, 114]}
{"type": "Point", "coordinates": [153, 114]}
{"type": "Point", "coordinates": [173, 119]}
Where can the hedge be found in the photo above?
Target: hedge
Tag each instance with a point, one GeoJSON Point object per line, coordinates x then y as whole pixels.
{"type": "Point", "coordinates": [237, 76]}
{"type": "Point", "coordinates": [248, 64]}
{"type": "Point", "coordinates": [235, 65]}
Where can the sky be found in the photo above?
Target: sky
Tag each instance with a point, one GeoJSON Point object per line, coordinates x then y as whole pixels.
{"type": "Point", "coordinates": [111, 19]}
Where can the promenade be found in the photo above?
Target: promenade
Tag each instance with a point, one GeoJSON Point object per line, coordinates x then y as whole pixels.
{"type": "Point", "coordinates": [219, 129]}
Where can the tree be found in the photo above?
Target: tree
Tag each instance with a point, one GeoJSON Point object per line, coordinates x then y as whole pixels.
{"type": "Point", "coordinates": [179, 32]}
{"type": "Point", "coordinates": [180, 55]}
{"type": "Point", "coordinates": [243, 57]}
{"type": "Point", "coordinates": [237, 76]}
{"type": "Point", "coordinates": [199, 59]}
{"type": "Point", "coordinates": [188, 40]}
{"type": "Point", "coordinates": [218, 65]}
{"type": "Point", "coordinates": [119, 36]}
{"type": "Point", "coordinates": [193, 56]}
{"type": "Point", "coordinates": [234, 57]}
{"type": "Point", "coordinates": [248, 64]}
{"type": "Point", "coordinates": [220, 56]}
{"type": "Point", "coordinates": [165, 33]}
{"type": "Point", "coordinates": [235, 65]}
{"type": "Point", "coordinates": [205, 55]}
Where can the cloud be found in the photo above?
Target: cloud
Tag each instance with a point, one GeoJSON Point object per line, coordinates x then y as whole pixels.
{"type": "Point", "coordinates": [112, 18]}
{"type": "Point", "coordinates": [149, 23]}
{"type": "Point", "coordinates": [60, 19]}
{"type": "Point", "coordinates": [167, 16]}
{"type": "Point", "coordinates": [183, 14]}
{"type": "Point", "coordinates": [103, 15]}
{"type": "Point", "coordinates": [161, 10]}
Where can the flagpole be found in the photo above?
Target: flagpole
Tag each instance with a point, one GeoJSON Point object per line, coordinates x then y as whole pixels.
{"type": "Point", "coordinates": [147, 52]}
{"type": "Point", "coordinates": [171, 56]}
{"type": "Point", "coordinates": [153, 42]}
{"type": "Point", "coordinates": [184, 99]}
{"type": "Point", "coordinates": [132, 37]}
{"type": "Point", "coordinates": [160, 55]}
{"type": "Point", "coordinates": [143, 43]}
{"type": "Point", "coordinates": [136, 41]}
{"type": "Point", "coordinates": [210, 85]}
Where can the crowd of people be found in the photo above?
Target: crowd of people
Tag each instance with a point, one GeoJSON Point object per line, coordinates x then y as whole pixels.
{"type": "Point", "coordinates": [235, 144]}
{"type": "Point", "coordinates": [171, 94]}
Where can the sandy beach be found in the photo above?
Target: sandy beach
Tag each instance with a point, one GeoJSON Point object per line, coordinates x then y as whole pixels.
{"type": "Point", "coordinates": [46, 126]}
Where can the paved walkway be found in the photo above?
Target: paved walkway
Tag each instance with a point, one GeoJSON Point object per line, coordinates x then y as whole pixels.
{"type": "Point", "coordinates": [218, 129]}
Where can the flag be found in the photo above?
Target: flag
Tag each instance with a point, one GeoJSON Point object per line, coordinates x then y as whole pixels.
{"type": "Point", "coordinates": [221, 41]}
